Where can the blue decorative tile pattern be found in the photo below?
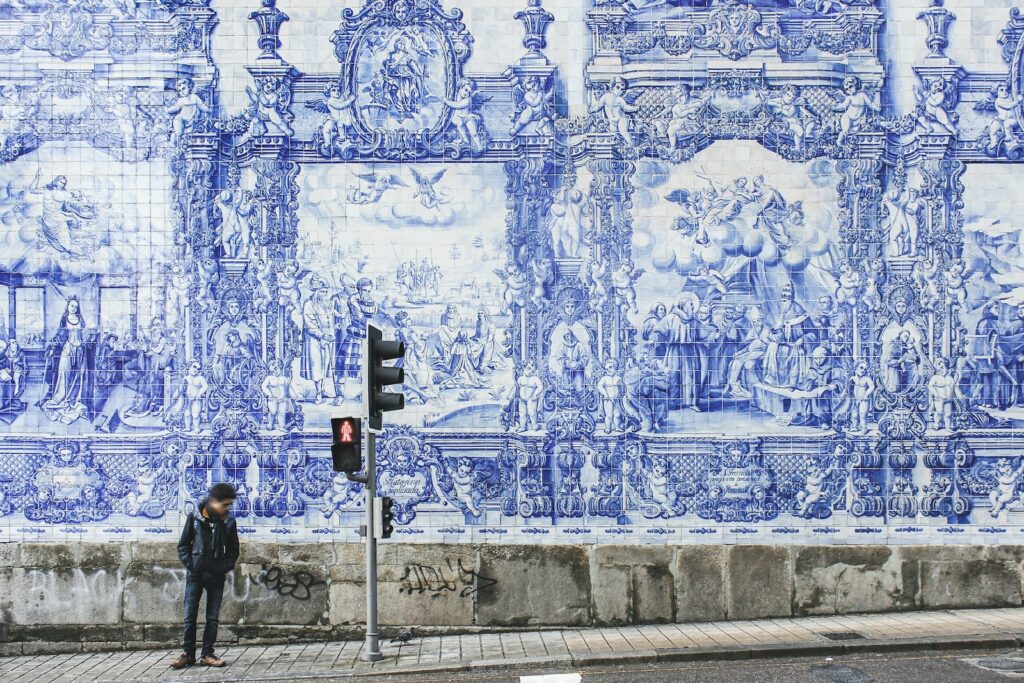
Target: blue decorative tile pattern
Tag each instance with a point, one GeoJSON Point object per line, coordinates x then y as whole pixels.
{"type": "Point", "coordinates": [728, 290]}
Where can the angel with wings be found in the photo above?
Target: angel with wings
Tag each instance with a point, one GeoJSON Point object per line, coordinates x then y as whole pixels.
{"type": "Point", "coordinates": [377, 185]}
{"type": "Point", "coordinates": [517, 286]}
{"type": "Point", "coordinates": [465, 117]}
{"type": "Point", "coordinates": [624, 283]}
{"type": "Point", "coordinates": [269, 104]}
{"type": "Point", "coordinates": [534, 99]}
{"type": "Point", "coordinates": [209, 275]}
{"type": "Point", "coordinates": [288, 295]}
{"type": "Point", "coordinates": [265, 279]}
{"type": "Point", "coordinates": [1005, 128]}
{"type": "Point", "coordinates": [932, 114]}
{"type": "Point", "coordinates": [691, 221]}
{"type": "Point", "coordinates": [426, 191]}
{"type": "Point", "coordinates": [856, 105]}
{"type": "Point", "coordinates": [338, 119]}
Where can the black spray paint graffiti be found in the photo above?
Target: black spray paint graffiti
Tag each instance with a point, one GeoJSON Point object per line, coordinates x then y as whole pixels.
{"type": "Point", "coordinates": [447, 578]}
{"type": "Point", "coordinates": [298, 585]}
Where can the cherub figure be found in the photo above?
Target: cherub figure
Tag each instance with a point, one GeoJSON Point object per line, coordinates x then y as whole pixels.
{"type": "Point", "coordinates": [193, 392]}
{"type": "Point", "coordinates": [531, 389]}
{"type": "Point", "coordinates": [1005, 128]}
{"type": "Point", "coordinates": [288, 295]}
{"type": "Point", "coordinates": [275, 390]}
{"type": "Point", "coordinates": [176, 297]}
{"type": "Point", "coordinates": [932, 115]}
{"type": "Point", "coordinates": [814, 488]}
{"type": "Point", "coordinates": [611, 390]}
{"type": "Point", "coordinates": [265, 278]}
{"type": "Point", "coordinates": [624, 282]}
{"type": "Point", "coordinates": [592, 273]}
{"type": "Point", "coordinates": [185, 110]}
{"type": "Point", "coordinates": [270, 109]}
{"type": "Point", "coordinates": [338, 495]}
{"type": "Point", "coordinates": [926, 277]}
{"type": "Point", "coordinates": [1006, 485]}
{"type": "Point", "coordinates": [616, 110]}
{"type": "Point", "coordinates": [208, 278]}
{"type": "Point", "coordinates": [517, 285]}
{"type": "Point", "coordinates": [467, 122]}
{"type": "Point", "coordinates": [535, 101]}
{"type": "Point", "coordinates": [849, 285]}
{"type": "Point", "coordinates": [662, 493]}
{"type": "Point", "coordinates": [126, 111]}
{"type": "Point", "coordinates": [682, 114]}
{"type": "Point", "coordinates": [873, 287]}
{"type": "Point", "coordinates": [338, 119]}
{"type": "Point", "coordinates": [464, 485]}
{"type": "Point", "coordinates": [377, 186]}
{"type": "Point", "coordinates": [145, 490]}
{"type": "Point", "coordinates": [863, 391]}
{"type": "Point", "coordinates": [854, 108]}
{"type": "Point", "coordinates": [941, 393]}
{"type": "Point", "coordinates": [956, 283]}
{"type": "Point", "coordinates": [708, 277]}
{"type": "Point", "coordinates": [792, 108]}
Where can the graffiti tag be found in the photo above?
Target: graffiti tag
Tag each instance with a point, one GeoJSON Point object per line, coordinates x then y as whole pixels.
{"type": "Point", "coordinates": [296, 585]}
{"type": "Point", "coordinates": [447, 578]}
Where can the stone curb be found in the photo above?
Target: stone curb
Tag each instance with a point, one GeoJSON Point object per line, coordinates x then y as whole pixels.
{"type": "Point", "coordinates": [691, 654]}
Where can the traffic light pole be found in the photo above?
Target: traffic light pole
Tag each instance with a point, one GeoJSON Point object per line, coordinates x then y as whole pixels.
{"type": "Point", "coordinates": [376, 401]}
{"type": "Point", "coordinates": [371, 650]}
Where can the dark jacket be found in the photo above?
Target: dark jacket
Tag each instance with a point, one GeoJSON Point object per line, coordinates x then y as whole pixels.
{"type": "Point", "coordinates": [208, 547]}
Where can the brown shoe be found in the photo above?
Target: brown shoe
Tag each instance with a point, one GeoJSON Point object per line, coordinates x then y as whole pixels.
{"type": "Point", "coordinates": [182, 661]}
{"type": "Point", "coordinates": [211, 660]}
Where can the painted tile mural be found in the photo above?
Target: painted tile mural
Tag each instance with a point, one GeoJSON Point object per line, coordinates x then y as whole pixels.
{"type": "Point", "coordinates": [687, 271]}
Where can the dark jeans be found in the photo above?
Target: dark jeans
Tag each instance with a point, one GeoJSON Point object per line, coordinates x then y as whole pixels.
{"type": "Point", "coordinates": [194, 587]}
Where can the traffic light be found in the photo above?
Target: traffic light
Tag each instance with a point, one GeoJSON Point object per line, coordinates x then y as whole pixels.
{"type": "Point", "coordinates": [346, 451]}
{"type": "Point", "coordinates": [378, 376]}
{"type": "Point", "coordinates": [383, 517]}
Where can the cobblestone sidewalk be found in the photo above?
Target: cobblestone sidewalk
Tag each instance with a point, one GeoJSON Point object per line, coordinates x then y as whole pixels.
{"type": "Point", "coordinates": [996, 628]}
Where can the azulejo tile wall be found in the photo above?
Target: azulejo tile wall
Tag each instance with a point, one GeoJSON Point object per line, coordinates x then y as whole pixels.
{"type": "Point", "coordinates": [681, 271]}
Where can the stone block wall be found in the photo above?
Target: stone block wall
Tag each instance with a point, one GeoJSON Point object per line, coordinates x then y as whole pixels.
{"type": "Point", "coordinates": [91, 596]}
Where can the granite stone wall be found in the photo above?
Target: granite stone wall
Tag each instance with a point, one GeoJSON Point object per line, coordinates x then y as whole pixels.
{"type": "Point", "coordinates": [70, 597]}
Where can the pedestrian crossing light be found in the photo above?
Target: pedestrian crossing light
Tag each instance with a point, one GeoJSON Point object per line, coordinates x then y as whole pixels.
{"type": "Point", "coordinates": [379, 376]}
{"type": "Point", "coordinates": [346, 450]}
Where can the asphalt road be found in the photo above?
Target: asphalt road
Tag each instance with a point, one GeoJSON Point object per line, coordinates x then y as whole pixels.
{"type": "Point", "coordinates": [945, 667]}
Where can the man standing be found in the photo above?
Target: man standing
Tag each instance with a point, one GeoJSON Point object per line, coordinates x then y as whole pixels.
{"type": "Point", "coordinates": [209, 549]}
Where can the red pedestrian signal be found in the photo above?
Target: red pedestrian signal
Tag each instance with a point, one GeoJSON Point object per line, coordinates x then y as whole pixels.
{"type": "Point", "coordinates": [346, 451]}
{"type": "Point", "coordinates": [345, 431]}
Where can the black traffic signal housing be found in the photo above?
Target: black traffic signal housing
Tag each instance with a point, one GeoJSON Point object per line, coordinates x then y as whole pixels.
{"type": "Point", "coordinates": [346, 449]}
{"type": "Point", "coordinates": [378, 376]}
{"type": "Point", "coordinates": [385, 517]}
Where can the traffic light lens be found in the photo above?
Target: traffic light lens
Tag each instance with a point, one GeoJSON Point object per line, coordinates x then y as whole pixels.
{"type": "Point", "coordinates": [387, 349]}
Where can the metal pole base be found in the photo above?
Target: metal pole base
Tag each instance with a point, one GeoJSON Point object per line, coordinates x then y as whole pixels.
{"type": "Point", "coordinates": [372, 656]}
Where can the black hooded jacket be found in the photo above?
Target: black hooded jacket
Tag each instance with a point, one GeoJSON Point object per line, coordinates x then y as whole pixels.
{"type": "Point", "coordinates": [208, 546]}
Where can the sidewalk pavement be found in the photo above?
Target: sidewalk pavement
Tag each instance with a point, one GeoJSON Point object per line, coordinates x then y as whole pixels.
{"type": "Point", "coordinates": [576, 648]}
